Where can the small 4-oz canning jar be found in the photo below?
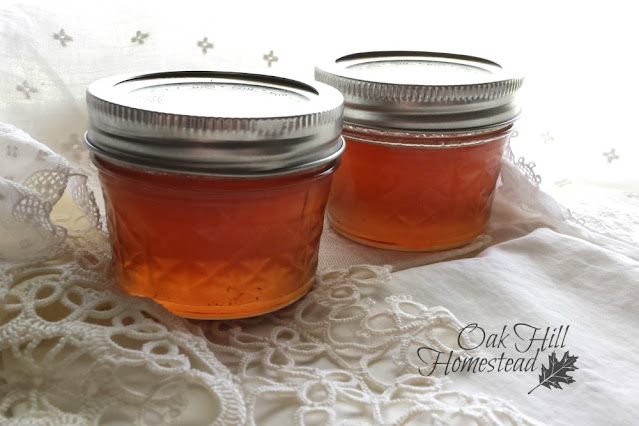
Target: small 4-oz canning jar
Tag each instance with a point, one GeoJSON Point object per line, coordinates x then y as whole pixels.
{"type": "Point", "coordinates": [425, 134]}
{"type": "Point", "coordinates": [215, 185]}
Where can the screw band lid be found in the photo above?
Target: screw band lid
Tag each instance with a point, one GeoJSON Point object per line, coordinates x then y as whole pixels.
{"type": "Point", "coordinates": [215, 123]}
{"type": "Point", "coordinates": [422, 90]}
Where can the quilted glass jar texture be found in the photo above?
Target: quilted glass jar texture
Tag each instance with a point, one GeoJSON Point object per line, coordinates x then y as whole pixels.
{"type": "Point", "coordinates": [425, 135]}
{"type": "Point", "coordinates": [426, 192]}
{"type": "Point", "coordinates": [215, 186]}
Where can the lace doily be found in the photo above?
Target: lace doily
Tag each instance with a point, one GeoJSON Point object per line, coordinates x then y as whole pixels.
{"type": "Point", "coordinates": [75, 350]}
{"type": "Point", "coordinates": [32, 180]}
{"type": "Point", "coordinates": [337, 357]}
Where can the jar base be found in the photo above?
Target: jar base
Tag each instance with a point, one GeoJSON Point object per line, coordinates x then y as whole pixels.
{"type": "Point", "coordinates": [237, 312]}
{"type": "Point", "coordinates": [391, 246]}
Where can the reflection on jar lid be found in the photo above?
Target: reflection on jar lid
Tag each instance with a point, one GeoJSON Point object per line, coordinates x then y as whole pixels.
{"type": "Point", "coordinates": [215, 123]}
{"type": "Point", "coordinates": [422, 90]}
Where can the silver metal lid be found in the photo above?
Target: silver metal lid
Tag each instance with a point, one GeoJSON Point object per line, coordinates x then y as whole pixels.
{"type": "Point", "coordinates": [422, 90]}
{"type": "Point", "coordinates": [215, 123]}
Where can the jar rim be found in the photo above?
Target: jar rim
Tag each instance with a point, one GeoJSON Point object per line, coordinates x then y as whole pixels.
{"type": "Point", "coordinates": [128, 172]}
{"type": "Point", "coordinates": [177, 167]}
{"type": "Point", "coordinates": [426, 139]}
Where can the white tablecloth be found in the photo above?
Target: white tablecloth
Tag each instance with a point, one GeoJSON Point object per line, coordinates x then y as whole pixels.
{"type": "Point", "coordinates": [75, 350]}
{"type": "Point", "coordinates": [546, 279]}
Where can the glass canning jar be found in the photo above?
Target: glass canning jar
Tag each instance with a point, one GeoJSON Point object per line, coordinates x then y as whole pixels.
{"type": "Point", "coordinates": [215, 185]}
{"type": "Point", "coordinates": [425, 134]}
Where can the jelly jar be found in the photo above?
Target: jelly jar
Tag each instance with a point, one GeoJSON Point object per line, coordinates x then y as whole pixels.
{"type": "Point", "coordinates": [425, 134]}
{"type": "Point", "coordinates": [215, 185]}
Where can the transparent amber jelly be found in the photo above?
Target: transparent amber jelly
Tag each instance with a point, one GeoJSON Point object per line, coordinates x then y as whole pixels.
{"type": "Point", "coordinates": [215, 185]}
{"type": "Point", "coordinates": [425, 134]}
{"type": "Point", "coordinates": [215, 247]}
{"type": "Point", "coordinates": [416, 191]}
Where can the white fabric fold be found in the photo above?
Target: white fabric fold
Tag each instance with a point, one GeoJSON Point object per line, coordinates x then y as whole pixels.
{"type": "Point", "coordinates": [546, 279]}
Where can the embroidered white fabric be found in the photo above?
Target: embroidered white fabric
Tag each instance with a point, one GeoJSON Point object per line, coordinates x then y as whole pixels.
{"type": "Point", "coordinates": [75, 350]}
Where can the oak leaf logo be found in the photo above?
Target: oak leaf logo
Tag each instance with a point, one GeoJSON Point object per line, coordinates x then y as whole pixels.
{"type": "Point", "coordinates": [556, 373]}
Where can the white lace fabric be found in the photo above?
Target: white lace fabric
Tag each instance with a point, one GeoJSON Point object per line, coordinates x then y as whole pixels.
{"type": "Point", "coordinates": [74, 349]}
{"type": "Point", "coordinates": [338, 357]}
{"type": "Point", "coordinates": [32, 180]}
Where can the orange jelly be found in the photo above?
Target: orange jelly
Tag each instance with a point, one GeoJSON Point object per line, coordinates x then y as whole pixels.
{"type": "Point", "coordinates": [215, 186]}
{"type": "Point", "coordinates": [215, 247]}
{"type": "Point", "coordinates": [425, 135]}
{"type": "Point", "coordinates": [414, 199]}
